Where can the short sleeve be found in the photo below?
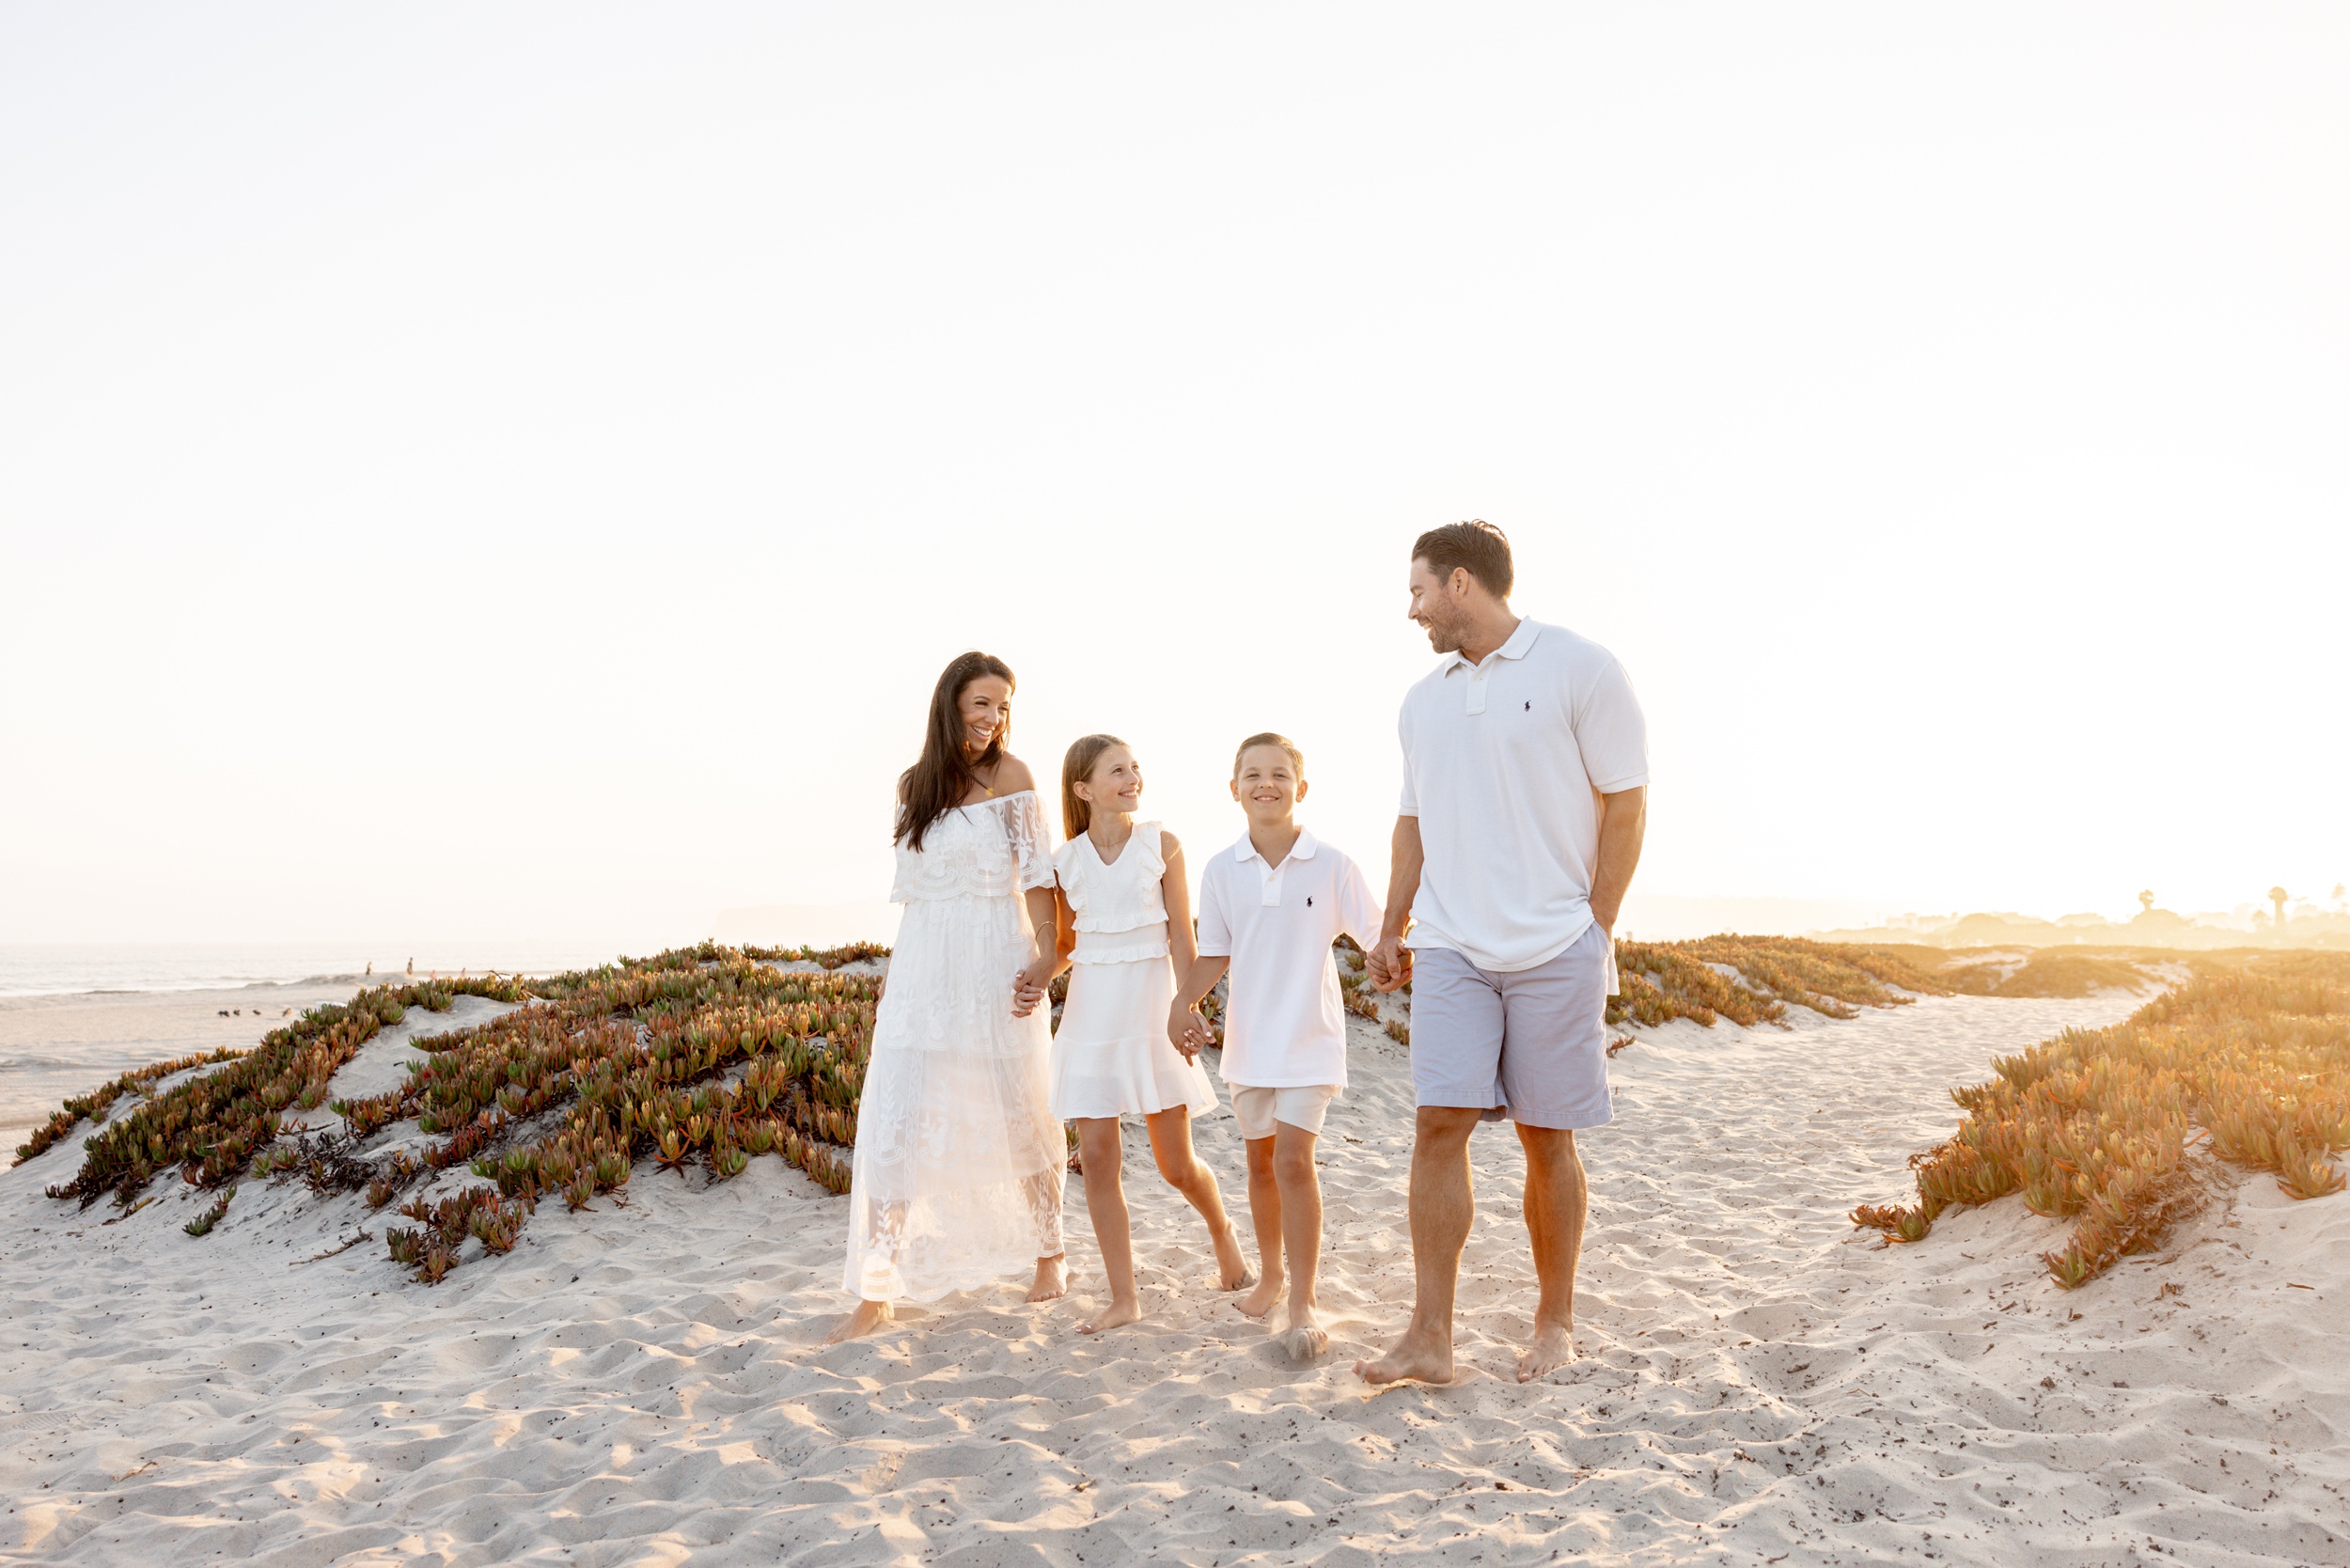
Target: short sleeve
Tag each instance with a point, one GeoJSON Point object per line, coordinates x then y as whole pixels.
{"type": "Point", "coordinates": [1611, 734]}
{"type": "Point", "coordinates": [1409, 804]}
{"type": "Point", "coordinates": [1024, 825]}
{"type": "Point", "coordinates": [1215, 921]}
{"type": "Point", "coordinates": [1359, 912]}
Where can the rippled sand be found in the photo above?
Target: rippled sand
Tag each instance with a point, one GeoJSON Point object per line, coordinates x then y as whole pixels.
{"type": "Point", "coordinates": [1757, 1382]}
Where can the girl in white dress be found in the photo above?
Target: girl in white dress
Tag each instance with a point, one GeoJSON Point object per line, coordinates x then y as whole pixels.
{"type": "Point", "coordinates": [960, 1160]}
{"type": "Point", "coordinates": [1124, 887]}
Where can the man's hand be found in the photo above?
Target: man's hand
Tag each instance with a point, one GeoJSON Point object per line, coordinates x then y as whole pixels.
{"type": "Point", "coordinates": [1388, 964]}
{"type": "Point", "coordinates": [1028, 985]}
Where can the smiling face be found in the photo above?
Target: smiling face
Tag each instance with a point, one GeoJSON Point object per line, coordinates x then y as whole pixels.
{"type": "Point", "coordinates": [1267, 785]}
{"type": "Point", "coordinates": [984, 706]}
{"type": "Point", "coordinates": [1115, 784]}
{"type": "Point", "coordinates": [1439, 605]}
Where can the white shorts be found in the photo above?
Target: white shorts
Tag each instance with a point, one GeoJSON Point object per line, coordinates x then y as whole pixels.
{"type": "Point", "coordinates": [1302, 1106]}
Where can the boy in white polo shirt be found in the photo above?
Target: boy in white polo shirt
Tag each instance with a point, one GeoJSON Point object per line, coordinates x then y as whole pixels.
{"type": "Point", "coordinates": [1271, 906]}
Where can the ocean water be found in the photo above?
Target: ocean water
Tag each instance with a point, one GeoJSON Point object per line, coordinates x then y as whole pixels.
{"type": "Point", "coordinates": [45, 969]}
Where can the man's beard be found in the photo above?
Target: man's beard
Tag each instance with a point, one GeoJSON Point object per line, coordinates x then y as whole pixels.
{"type": "Point", "coordinates": [1444, 637]}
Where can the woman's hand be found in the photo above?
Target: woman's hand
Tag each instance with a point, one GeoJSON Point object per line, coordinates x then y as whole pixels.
{"type": "Point", "coordinates": [1028, 985]}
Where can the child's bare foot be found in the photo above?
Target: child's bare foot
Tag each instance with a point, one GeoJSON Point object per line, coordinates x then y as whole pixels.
{"type": "Point", "coordinates": [1420, 1358]}
{"type": "Point", "coordinates": [1232, 1270]}
{"type": "Point", "coordinates": [1119, 1316]}
{"type": "Point", "coordinates": [1305, 1339]}
{"type": "Point", "coordinates": [1052, 1278]}
{"type": "Point", "coordinates": [868, 1316]}
{"type": "Point", "coordinates": [1553, 1348]}
{"type": "Point", "coordinates": [1257, 1303]}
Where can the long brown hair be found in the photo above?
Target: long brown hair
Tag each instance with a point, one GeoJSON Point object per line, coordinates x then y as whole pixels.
{"type": "Point", "coordinates": [1075, 768]}
{"type": "Point", "coordinates": [937, 782]}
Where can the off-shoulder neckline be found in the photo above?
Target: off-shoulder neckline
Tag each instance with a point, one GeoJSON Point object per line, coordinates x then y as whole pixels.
{"type": "Point", "coordinates": [995, 800]}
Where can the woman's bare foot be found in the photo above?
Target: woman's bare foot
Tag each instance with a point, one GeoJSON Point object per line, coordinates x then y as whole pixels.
{"type": "Point", "coordinates": [1052, 1278]}
{"type": "Point", "coordinates": [868, 1316]}
{"type": "Point", "coordinates": [1257, 1303]}
{"type": "Point", "coordinates": [1305, 1338]}
{"type": "Point", "coordinates": [1419, 1358]}
{"type": "Point", "coordinates": [1231, 1263]}
{"type": "Point", "coordinates": [1119, 1316]}
{"type": "Point", "coordinates": [1553, 1348]}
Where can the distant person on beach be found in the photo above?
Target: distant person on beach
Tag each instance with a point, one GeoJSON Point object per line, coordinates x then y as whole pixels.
{"type": "Point", "coordinates": [1129, 906]}
{"type": "Point", "coordinates": [1270, 906]}
{"type": "Point", "coordinates": [959, 1163]}
{"type": "Point", "coordinates": [1525, 802]}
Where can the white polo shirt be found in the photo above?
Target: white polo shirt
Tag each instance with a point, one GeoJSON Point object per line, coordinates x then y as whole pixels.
{"type": "Point", "coordinates": [1504, 762]}
{"type": "Point", "coordinates": [1283, 1027]}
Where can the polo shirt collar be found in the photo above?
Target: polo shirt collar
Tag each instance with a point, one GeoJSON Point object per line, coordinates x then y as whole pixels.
{"type": "Point", "coordinates": [1245, 850]}
{"type": "Point", "coordinates": [1520, 641]}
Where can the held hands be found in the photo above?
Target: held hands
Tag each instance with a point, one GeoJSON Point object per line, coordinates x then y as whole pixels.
{"type": "Point", "coordinates": [1187, 1031]}
{"type": "Point", "coordinates": [1027, 986]}
{"type": "Point", "coordinates": [1389, 963]}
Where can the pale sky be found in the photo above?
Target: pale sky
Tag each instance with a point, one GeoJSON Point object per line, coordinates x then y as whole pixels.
{"type": "Point", "coordinates": [515, 471]}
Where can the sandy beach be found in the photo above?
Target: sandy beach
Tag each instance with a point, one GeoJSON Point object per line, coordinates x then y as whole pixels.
{"type": "Point", "coordinates": [1757, 1382]}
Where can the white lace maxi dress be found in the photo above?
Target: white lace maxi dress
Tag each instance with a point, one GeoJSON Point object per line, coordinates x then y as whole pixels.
{"type": "Point", "coordinates": [1112, 1056]}
{"type": "Point", "coordinates": [959, 1160]}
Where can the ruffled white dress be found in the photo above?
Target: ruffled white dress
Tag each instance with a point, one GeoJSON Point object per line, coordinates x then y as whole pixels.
{"type": "Point", "coordinates": [960, 1160]}
{"type": "Point", "coordinates": [1111, 1056]}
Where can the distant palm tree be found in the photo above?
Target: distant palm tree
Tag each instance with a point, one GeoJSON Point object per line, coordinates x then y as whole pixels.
{"type": "Point", "coordinates": [2278, 895]}
{"type": "Point", "coordinates": [2146, 903]}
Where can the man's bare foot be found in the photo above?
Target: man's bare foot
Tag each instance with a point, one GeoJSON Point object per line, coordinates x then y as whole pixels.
{"type": "Point", "coordinates": [1413, 1358]}
{"type": "Point", "coordinates": [1553, 1348]}
{"type": "Point", "coordinates": [1257, 1303]}
{"type": "Point", "coordinates": [1304, 1339]}
{"type": "Point", "coordinates": [868, 1316]}
{"type": "Point", "coordinates": [1119, 1316]}
{"type": "Point", "coordinates": [1231, 1264]}
{"type": "Point", "coordinates": [1052, 1278]}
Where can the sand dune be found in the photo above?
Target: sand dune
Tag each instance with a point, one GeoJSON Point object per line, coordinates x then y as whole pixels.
{"type": "Point", "coordinates": [53, 1047]}
{"type": "Point", "coordinates": [1757, 1382]}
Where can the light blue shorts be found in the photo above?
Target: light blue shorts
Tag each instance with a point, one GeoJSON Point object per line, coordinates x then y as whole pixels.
{"type": "Point", "coordinates": [1527, 1043]}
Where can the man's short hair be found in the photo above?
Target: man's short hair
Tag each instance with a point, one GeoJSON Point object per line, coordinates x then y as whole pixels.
{"type": "Point", "coordinates": [1297, 758]}
{"type": "Point", "coordinates": [1476, 544]}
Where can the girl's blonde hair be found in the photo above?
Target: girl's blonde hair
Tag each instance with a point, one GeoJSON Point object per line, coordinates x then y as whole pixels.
{"type": "Point", "coordinates": [1075, 768]}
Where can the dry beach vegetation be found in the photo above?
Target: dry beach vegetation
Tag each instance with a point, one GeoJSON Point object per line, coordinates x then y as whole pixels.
{"type": "Point", "coordinates": [2248, 1063]}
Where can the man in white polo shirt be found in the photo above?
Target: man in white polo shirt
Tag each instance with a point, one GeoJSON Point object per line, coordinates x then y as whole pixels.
{"type": "Point", "coordinates": [1524, 790]}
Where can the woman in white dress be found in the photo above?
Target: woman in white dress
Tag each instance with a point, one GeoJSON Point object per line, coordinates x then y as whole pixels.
{"type": "Point", "coordinates": [1130, 906]}
{"type": "Point", "coordinates": [959, 1160]}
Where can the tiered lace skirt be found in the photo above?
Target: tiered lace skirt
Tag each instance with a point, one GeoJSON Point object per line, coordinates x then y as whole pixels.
{"type": "Point", "coordinates": [959, 1161]}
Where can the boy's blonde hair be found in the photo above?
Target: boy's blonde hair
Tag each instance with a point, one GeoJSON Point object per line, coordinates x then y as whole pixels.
{"type": "Point", "coordinates": [1297, 758]}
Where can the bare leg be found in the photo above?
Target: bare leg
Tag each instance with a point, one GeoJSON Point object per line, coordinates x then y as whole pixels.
{"type": "Point", "coordinates": [1557, 1200]}
{"type": "Point", "coordinates": [1442, 1207]}
{"type": "Point", "coordinates": [1045, 1206]}
{"type": "Point", "coordinates": [1170, 1145]}
{"type": "Point", "coordinates": [1099, 1146]}
{"type": "Point", "coordinates": [1052, 1278]}
{"type": "Point", "coordinates": [1301, 1235]}
{"type": "Point", "coordinates": [868, 1316]}
{"type": "Point", "coordinates": [1264, 1214]}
